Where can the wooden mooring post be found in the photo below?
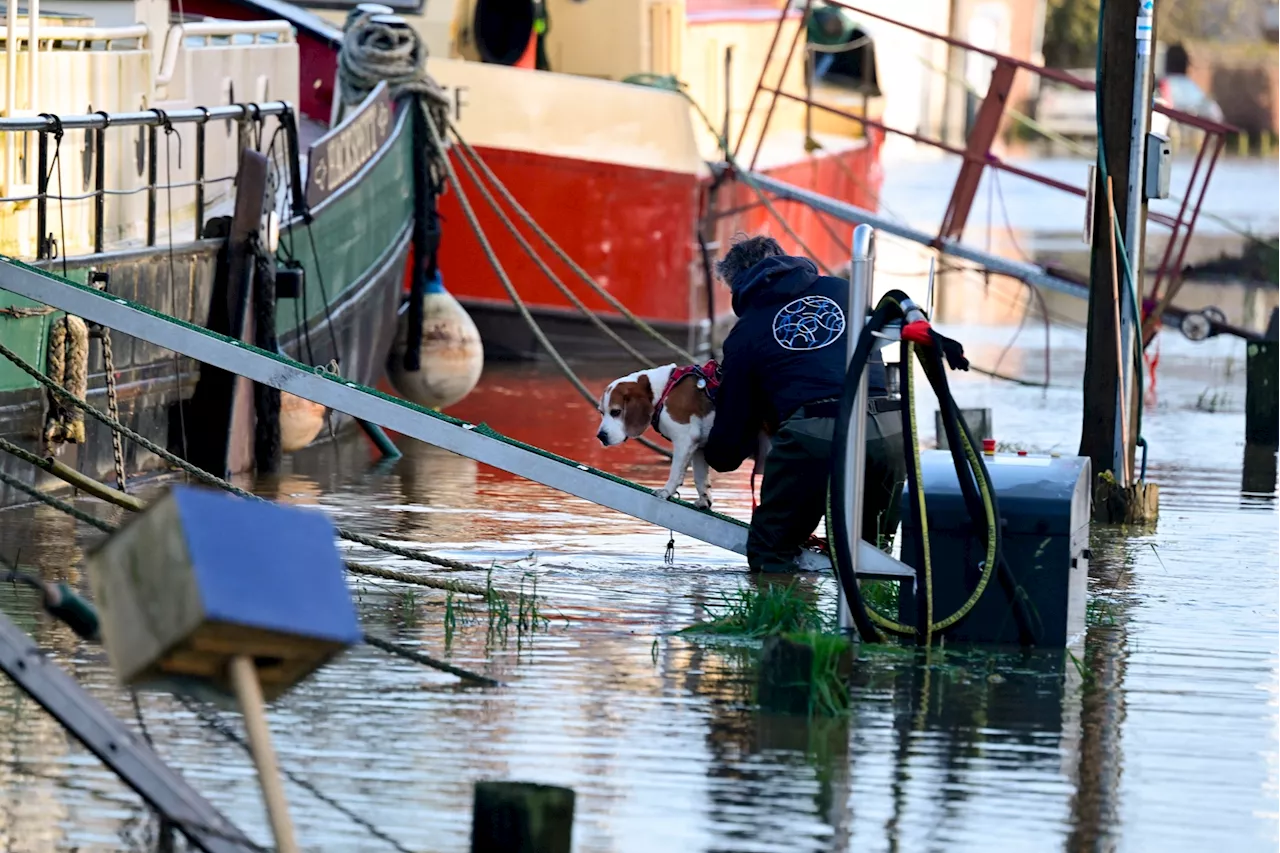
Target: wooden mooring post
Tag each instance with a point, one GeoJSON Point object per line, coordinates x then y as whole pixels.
{"type": "Point", "coordinates": [1262, 410]}
{"type": "Point", "coordinates": [786, 676]}
{"type": "Point", "coordinates": [521, 817]}
{"type": "Point", "coordinates": [1112, 402]}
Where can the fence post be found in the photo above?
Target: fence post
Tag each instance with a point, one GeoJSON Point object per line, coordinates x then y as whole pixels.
{"type": "Point", "coordinates": [200, 143]}
{"type": "Point", "coordinates": [99, 188]}
{"type": "Point", "coordinates": [151, 185]}
{"type": "Point", "coordinates": [1261, 427]}
{"type": "Point", "coordinates": [42, 196]}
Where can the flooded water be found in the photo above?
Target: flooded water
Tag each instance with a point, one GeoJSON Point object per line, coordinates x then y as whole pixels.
{"type": "Point", "coordinates": [1159, 732]}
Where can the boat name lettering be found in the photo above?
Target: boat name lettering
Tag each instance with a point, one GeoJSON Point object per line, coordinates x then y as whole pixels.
{"type": "Point", "coordinates": [336, 158]}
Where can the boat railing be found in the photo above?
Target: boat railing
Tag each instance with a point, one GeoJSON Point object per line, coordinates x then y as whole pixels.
{"type": "Point", "coordinates": [976, 152]}
{"type": "Point", "coordinates": [153, 123]}
{"type": "Point", "coordinates": [209, 30]}
{"type": "Point", "coordinates": [84, 36]}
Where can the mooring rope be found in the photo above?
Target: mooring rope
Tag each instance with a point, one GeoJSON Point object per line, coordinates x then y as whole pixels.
{"type": "Point", "coordinates": [564, 256]}
{"type": "Point", "coordinates": [356, 568]}
{"type": "Point", "coordinates": [671, 83]}
{"type": "Point", "coordinates": [373, 52]}
{"type": "Point", "coordinates": [56, 503]}
{"type": "Point", "coordinates": [460, 587]}
{"type": "Point", "coordinates": [68, 363]}
{"type": "Point", "coordinates": [466, 160]}
{"type": "Point", "coordinates": [212, 479]}
{"type": "Point", "coordinates": [505, 280]}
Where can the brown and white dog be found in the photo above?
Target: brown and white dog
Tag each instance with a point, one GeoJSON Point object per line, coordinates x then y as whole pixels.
{"type": "Point", "coordinates": [684, 418]}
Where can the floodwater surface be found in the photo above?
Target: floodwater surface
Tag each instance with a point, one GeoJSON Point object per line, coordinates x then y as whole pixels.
{"type": "Point", "coordinates": [1158, 732]}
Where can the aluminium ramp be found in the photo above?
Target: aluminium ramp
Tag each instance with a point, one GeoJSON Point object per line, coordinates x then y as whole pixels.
{"type": "Point", "coordinates": [475, 441]}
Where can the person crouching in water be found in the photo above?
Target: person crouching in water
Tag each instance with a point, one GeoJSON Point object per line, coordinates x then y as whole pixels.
{"type": "Point", "coordinates": [784, 367]}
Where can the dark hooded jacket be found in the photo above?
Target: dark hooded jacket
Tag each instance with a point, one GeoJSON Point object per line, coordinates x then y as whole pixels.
{"type": "Point", "coordinates": [788, 348]}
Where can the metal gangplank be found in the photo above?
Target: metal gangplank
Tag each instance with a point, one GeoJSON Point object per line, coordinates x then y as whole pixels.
{"type": "Point", "coordinates": [474, 441]}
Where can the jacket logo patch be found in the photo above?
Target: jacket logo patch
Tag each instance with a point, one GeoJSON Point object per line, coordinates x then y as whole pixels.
{"type": "Point", "coordinates": [808, 323]}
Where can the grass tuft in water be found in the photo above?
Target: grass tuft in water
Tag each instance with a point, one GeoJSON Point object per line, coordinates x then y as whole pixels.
{"type": "Point", "coordinates": [774, 609]}
{"type": "Point", "coordinates": [829, 690]}
{"type": "Point", "coordinates": [408, 601]}
{"type": "Point", "coordinates": [881, 596]}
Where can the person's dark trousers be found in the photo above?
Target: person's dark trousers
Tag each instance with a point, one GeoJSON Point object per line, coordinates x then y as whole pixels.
{"type": "Point", "coordinates": [793, 494]}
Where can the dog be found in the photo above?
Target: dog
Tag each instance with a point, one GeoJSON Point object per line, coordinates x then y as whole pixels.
{"type": "Point", "coordinates": [679, 403]}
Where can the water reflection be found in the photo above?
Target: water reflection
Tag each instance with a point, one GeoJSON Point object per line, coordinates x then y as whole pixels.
{"type": "Point", "coordinates": [1159, 732]}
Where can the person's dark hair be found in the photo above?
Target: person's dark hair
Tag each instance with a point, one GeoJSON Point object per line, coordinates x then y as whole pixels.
{"type": "Point", "coordinates": [744, 254]}
{"type": "Point", "coordinates": [1176, 60]}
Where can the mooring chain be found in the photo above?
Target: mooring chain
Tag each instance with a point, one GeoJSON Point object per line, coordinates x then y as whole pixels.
{"type": "Point", "coordinates": [113, 404]}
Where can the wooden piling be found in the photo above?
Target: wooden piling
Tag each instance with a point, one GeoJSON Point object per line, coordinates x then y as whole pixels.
{"type": "Point", "coordinates": [786, 676]}
{"type": "Point", "coordinates": [1261, 412]}
{"type": "Point", "coordinates": [521, 817]}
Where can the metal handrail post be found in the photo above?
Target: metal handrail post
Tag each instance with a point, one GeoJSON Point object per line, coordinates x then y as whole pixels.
{"type": "Point", "coordinates": [862, 269]}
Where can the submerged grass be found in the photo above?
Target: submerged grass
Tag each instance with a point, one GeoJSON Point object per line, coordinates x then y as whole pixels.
{"type": "Point", "coordinates": [829, 690]}
{"type": "Point", "coordinates": [756, 613]}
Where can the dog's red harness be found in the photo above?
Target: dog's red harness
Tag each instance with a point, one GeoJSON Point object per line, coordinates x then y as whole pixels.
{"type": "Point", "coordinates": [708, 380]}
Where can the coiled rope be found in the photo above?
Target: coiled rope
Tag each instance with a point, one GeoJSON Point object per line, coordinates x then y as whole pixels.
{"type": "Point", "coordinates": [373, 52]}
{"type": "Point", "coordinates": [69, 365]}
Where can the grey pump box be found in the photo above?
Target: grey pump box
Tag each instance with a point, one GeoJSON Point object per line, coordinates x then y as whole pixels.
{"type": "Point", "coordinates": [1159, 165]}
{"type": "Point", "coordinates": [1045, 509]}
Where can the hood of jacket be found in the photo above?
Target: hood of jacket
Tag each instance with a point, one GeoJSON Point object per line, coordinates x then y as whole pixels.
{"type": "Point", "coordinates": [777, 277]}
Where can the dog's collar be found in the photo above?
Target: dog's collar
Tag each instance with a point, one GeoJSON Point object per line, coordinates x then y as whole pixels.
{"type": "Point", "coordinates": [708, 380]}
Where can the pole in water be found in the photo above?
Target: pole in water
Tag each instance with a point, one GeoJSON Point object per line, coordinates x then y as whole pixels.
{"type": "Point", "coordinates": [1134, 231]}
{"type": "Point", "coordinates": [862, 269]}
{"type": "Point", "coordinates": [380, 438]}
{"type": "Point", "coordinates": [244, 680]}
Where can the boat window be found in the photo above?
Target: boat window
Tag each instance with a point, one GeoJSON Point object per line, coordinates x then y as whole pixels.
{"type": "Point", "coordinates": [850, 64]}
{"type": "Point", "coordinates": [503, 29]}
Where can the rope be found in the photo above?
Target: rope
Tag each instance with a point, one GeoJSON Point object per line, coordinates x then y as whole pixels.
{"type": "Point", "coordinates": [505, 280]}
{"type": "Point", "coordinates": [672, 83]}
{"type": "Point", "coordinates": [69, 363]}
{"type": "Point", "coordinates": [374, 52]}
{"type": "Point", "coordinates": [56, 503]}
{"type": "Point", "coordinates": [285, 360]}
{"type": "Point", "coordinates": [72, 476]}
{"type": "Point", "coordinates": [427, 660]}
{"type": "Point", "coordinates": [417, 580]}
{"type": "Point", "coordinates": [465, 159]}
{"type": "Point", "coordinates": [355, 568]}
{"type": "Point", "coordinates": [18, 312]}
{"type": "Point", "coordinates": [211, 479]}
{"type": "Point", "coordinates": [564, 256]}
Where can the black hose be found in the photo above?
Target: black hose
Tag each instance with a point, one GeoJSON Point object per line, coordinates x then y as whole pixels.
{"type": "Point", "coordinates": [969, 468]}
{"type": "Point", "coordinates": [838, 539]}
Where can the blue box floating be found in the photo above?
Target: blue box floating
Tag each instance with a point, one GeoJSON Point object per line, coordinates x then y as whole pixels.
{"type": "Point", "coordinates": [202, 576]}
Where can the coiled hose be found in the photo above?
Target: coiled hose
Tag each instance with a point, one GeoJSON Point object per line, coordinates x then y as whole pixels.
{"type": "Point", "coordinates": [919, 341]}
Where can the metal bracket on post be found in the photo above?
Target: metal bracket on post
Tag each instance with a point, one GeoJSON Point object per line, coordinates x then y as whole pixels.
{"type": "Point", "coordinates": [861, 272]}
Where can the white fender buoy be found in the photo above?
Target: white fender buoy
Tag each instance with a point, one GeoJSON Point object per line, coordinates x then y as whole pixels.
{"type": "Point", "coordinates": [300, 422]}
{"type": "Point", "coordinates": [452, 355]}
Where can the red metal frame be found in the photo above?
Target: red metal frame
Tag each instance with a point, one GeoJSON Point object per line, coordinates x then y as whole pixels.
{"type": "Point", "coordinates": [977, 151]}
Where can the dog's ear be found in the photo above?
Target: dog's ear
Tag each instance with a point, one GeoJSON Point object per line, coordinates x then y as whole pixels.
{"type": "Point", "coordinates": [637, 406]}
